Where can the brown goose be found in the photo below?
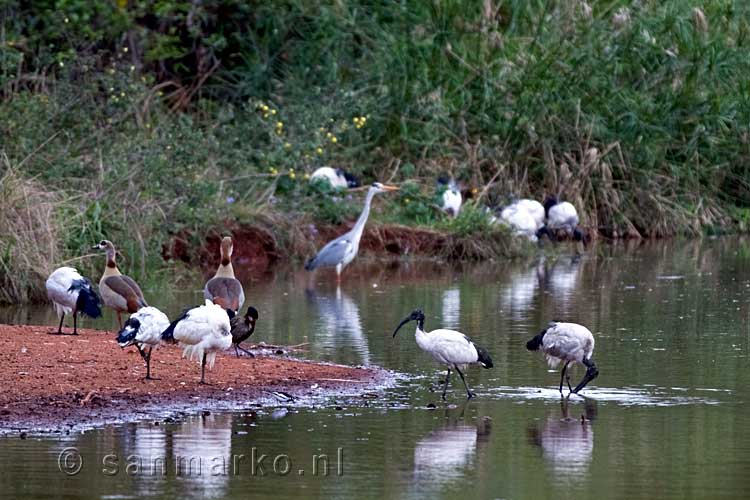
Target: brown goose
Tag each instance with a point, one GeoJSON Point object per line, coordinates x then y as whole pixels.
{"type": "Point", "coordinates": [118, 291]}
{"type": "Point", "coordinates": [224, 289]}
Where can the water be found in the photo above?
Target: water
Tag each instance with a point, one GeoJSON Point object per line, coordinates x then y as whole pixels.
{"type": "Point", "coordinates": [667, 417]}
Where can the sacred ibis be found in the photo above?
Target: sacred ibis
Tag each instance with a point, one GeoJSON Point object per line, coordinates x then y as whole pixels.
{"type": "Point", "coordinates": [71, 293]}
{"type": "Point", "coordinates": [143, 329]}
{"type": "Point", "coordinates": [338, 178]}
{"type": "Point", "coordinates": [450, 196]}
{"type": "Point", "coordinates": [567, 343]}
{"type": "Point", "coordinates": [448, 347]}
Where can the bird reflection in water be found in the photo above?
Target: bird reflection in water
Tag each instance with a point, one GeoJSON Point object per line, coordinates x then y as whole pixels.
{"type": "Point", "coordinates": [339, 325]}
{"type": "Point", "coordinates": [446, 453]}
{"type": "Point", "coordinates": [451, 308]}
{"type": "Point", "coordinates": [567, 442]}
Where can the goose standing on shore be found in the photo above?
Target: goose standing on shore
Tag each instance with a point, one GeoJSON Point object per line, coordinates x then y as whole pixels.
{"type": "Point", "coordinates": [71, 293]}
{"type": "Point", "coordinates": [568, 343]}
{"type": "Point", "coordinates": [341, 251]}
{"type": "Point", "coordinates": [448, 347]}
{"type": "Point", "coordinates": [202, 332]}
{"type": "Point", "coordinates": [224, 289]}
{"type": "Point", "coordinates": [119, 292]}
{"type": "Point", "coordinates": [143, 329]}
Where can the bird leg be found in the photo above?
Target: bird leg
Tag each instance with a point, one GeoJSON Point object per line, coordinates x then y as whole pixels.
{"type": "Point", "coordinates": [562, 376]}
{"type": "Point", "coordinates": [119, 319]}
{"type": "Point", "coordinates": [203, 369]}
{"type": "Point", "coordinates": [591, 373]}
{"type": "Point", "coordinates": [469, 394]}
{"type": "Point", "coordinates": [445, 385]}
{"type": "Point", "coordinates": [237, 350]}
{"type": "Point", "coordinates": [75, 323]}
{"type": "Point", "coordinates": [148, 365]}
{"type": "Point", "coordinates": [59, 328]}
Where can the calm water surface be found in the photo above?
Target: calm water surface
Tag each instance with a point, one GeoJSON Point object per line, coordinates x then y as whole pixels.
{"type": "Point", "coordinates": [667, 417]}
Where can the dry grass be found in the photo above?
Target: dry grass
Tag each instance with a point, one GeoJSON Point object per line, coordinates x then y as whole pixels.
{"type": "Point", "coordinates": [31, 236]}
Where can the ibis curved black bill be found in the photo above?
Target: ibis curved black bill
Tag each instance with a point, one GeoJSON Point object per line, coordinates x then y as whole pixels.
{"type": "Point", "coordinates": [405, 321]}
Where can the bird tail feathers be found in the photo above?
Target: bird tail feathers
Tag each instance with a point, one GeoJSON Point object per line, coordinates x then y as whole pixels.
{"type": "Point", "coordinates": [87, 301]}
{"type": "Point", "coordinates": [484, 357]}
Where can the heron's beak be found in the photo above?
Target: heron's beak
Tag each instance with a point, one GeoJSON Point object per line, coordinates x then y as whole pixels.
{"type": "Point", "coordinates": [390, 188]}
{"type": "Point", "coordinates": [405, 321]}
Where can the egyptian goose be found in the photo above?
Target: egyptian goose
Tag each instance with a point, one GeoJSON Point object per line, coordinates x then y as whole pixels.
{"type": "Point", "coordinates": [118, 291]}
{"type": "Point", "coordinates": [71, 293]}
{"type": "Point", "coordinates": [224, 289]}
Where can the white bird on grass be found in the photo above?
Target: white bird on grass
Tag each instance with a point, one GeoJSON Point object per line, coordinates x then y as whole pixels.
{"type": "Point", "coordinates": [202, 332]}
{"type": "Point", "coordinates": [521, 221]}
{"type": "Point", "coordinates": [71, 293]}
{"type": "Point", "coordinates": [338, 178]}
{"type": "Point", "coordinates": [451, 196]}
{"type": "Point", "coordinates": [448, 347]}
{"type": "Point", "coordinates": [143, 329]}
{"type": "Point", "coordinates": [341, 251]}
{"type": "Point", "coordinates": [567, 343]}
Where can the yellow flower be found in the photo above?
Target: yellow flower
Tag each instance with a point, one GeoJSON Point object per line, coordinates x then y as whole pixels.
{"type": "Point", "coordinates": [329, 134]}
{"type": "Point", "coordinates": [279, 124]}
{"type": "Point", "coordinates": [291, 174]}
{"type": "Point", "coordinates": [125, 49]}
{"type": "Point", "coordinates": [334, 140]}
{"type": "Point", "coordinates": [273, 111]}
{"type": "Point", "coordinates": [319, 151]}
{"type": "Point", "coordinates": [306, 176]}
{"type": "Point", "coordinates": [67, 20]}
{"type": "Point", "coordinates": [287, 145]}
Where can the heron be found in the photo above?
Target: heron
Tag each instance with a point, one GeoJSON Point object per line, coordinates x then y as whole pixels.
{"type": "Point", "coordinates": [143, 329]}
{"type": "Point", "coordinates": [561, 215]}
{"type": "Point", "coordinates": [448, 347]}
{"type": "Point", "coordinates": [119, 292]}
{"type": "Point", "coordinates": [567, 343]}
{"type": "Point", "coordinates": [341, 251]}
{"type": "Point", "coordinates": [71, 293]}
{"type": "Point", "coordinates": [202, 332]}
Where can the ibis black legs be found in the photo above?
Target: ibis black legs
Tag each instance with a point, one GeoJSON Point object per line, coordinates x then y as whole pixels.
{"type": "Point", "coordinates": [203, 369]}
{"type": "Point", "coordinates": [447, 379]}
{"type": "Point", "coordinates": [59, 327]}
{"type": "Point", "coordinates": [591, 373]}
{"type": "Point", "coordinates": [565, 375]}
{"type": "Point", "coordinates": [75, 323]}
{"type": "Point", "coordinates": [469, 394]}
{"type": "Point", "coordinates": [147, 358]}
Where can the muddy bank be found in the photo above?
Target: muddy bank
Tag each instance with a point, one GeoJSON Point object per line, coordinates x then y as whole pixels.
{"type": "Point", "coordinates": [257, 250]}
{"type": "Point", "coordinates": [58, 382]}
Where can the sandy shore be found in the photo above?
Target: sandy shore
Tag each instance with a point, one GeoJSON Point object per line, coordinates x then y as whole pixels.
{"type": "Point", "coordinates": [57, 382]}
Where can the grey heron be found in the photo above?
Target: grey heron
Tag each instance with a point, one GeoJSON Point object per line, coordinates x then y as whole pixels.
{"type": "Point", "coordinates": [119, 292]}
{"type": "Point", "coordinates": [224, 289]}
{"type": "Point", "coordinates": [567, 343]}
{"type": "Point", "coordinates": [561, 215]}
{"type": "Point", "coordinates": [143, 329]}
{"type": "Point", "coordinates": [71, 293]}
{"type": "Point", "coordinates": [448, 347]}
{"type": "Point", "coordinates": [202, 332]}
{"type": "Point", "coordinates": [341, 251]}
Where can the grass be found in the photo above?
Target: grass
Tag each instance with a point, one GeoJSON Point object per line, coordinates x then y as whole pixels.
{"type": "Point", "coordinates": [140, 124]}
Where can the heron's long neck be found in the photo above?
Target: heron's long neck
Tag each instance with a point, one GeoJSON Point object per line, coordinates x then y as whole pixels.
{"type": "Point", "coordinates": [360, 225]}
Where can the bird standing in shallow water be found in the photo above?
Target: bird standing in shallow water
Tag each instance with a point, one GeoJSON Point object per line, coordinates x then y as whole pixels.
{"type": "Point", "coordinates": [568, 343]}
{"type": "Point", "coordinates": [224, 289]}
{"type": "Point", "coordinates": [202, 332]}
{"type": "Point", "coordinates": [341, 251]}
{"type": "Point", "coordinates": [71, 293]}
{"type": "Point", "coordinates": [242, 327]}
{"type": "Point", "coordinates": [448, 347]}
{"type": "Point", "coordinates": [143, 329]}
{"type": "Point", "coordinates": [561, 215]}
{"type": "Point", "coordinates": [119, 292]}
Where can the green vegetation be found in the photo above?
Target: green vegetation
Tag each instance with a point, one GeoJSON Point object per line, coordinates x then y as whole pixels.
{"type": "Point", "coordinates": [137, 120]}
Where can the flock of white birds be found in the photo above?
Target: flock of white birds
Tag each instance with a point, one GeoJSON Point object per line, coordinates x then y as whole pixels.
{"type": "Point", "coordinates": [205, 330]}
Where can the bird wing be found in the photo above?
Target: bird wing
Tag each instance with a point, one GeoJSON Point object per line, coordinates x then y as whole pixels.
{"type": "Point", "coordinates": [453, 346]}
{"type": "Point", "coordinates": [225, 292]}
{"type": "Point", "coordinates": [128, 290]}
{"type": "Point", "coordinates": [333, 253]}
{"type": "Point", "coordinates": [568, 340]}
